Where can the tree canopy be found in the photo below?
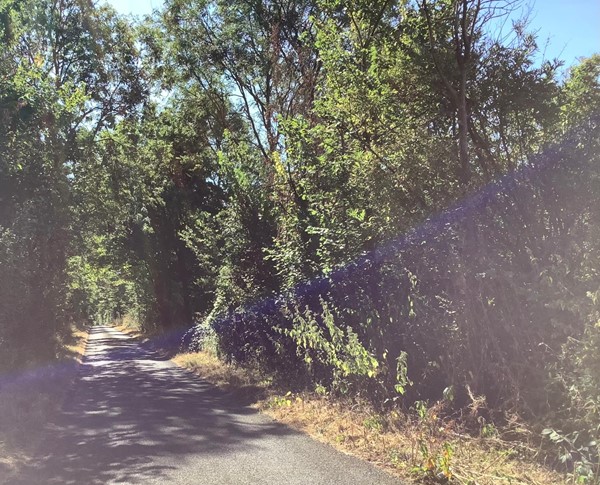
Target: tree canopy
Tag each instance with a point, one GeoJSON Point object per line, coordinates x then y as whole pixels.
{"type": "Point", "coordinates": [377, 197]}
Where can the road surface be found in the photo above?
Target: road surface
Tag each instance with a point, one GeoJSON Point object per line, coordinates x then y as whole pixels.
{"type": "Point", "coordinates": [134, 417]}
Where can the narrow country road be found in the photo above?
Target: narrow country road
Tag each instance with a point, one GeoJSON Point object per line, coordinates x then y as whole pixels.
{"type": "Point", "coordinates": [133, 417]}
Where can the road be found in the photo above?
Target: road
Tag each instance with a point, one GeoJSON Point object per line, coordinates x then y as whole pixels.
{"type": "Point", "coordinates": [134, 417]}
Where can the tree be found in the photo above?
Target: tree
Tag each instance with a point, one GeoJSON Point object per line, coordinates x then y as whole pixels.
{"type": "Point", "coordinates": [260, 51]}
{"type": "Point", "coordinates": [582, 95]}
{"type": "Point", "coordinates": [62, 82]}
{"type": "Point", "coordinates": [459, 46]}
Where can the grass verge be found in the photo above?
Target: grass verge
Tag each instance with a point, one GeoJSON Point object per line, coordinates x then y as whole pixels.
{"type": "Point", "coordinates": [130, 327]}
{"type": "Point", "coordinates": [28, 400]}
{"type": "Point", "coordinates": [418, 446]}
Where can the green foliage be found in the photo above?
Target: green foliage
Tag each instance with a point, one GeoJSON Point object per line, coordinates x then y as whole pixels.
{"type": "Point", "coordinates": [282, 401]}
{"type": "Point", "coordinates": [402, 379]}
{"type": "Point", "coordinates": [346, 194]}
{"type": "Point", "coordinates": [432, 455]}
{"type": "Point", "coordinates": [582, 94]}
{"type": "Point", "coordinates": [319, 339]}
{"type": "Point", "coordinates": [576, 454]}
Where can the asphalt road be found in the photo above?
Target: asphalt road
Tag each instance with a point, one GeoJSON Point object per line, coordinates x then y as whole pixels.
{"type": "Point", "coordinates": [133, 417]}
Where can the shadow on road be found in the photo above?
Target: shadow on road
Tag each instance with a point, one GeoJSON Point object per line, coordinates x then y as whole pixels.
{"type": "Point", "coordinates": [128, 409]}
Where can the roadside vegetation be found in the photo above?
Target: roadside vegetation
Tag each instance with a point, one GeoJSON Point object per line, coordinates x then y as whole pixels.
{"type": "Point", "coordinates": [424, 444]}
{"type": "Point", "coordinates": [29, 399]}
{"type": "Point", "coordinates": [381, 202]}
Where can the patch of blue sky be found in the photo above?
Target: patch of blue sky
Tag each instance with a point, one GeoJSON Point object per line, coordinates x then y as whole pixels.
{"type": "Point", "coordinates": [566, 30]}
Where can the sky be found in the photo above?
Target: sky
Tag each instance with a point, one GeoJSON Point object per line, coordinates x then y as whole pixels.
{"type": "Point", "coordinates": [136, 7]}
{"type": "Point", "coordinates": [571, 27]}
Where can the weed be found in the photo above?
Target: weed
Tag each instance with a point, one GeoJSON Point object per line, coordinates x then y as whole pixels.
{"type": "Point", "coordinates": [281, 401]}
{"type": "Point", "coordinates": [488, 430]}
{"type": "Point", "coordinates": [374, 423]}
{"type": "Point", "coordinates": [417, 445]}
{"type": "Point", "coordinates": [576, 453]}
{"type": "Point", "coordinates": [321, 390]}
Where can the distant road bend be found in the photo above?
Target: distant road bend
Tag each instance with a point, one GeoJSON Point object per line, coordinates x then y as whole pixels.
{"type": "Point", "coordinates": [136, 418]}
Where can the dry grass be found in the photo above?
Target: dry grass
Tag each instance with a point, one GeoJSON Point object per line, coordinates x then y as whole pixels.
{"type": "Point", "coordinates": [132, 331]}
{"type": "Point", "coordinates": [419, 448]}
{"type": "Point", "coordinates": [209, 367]}
{"type": "Point", "coordinates": [29, 400]}
{"type": "Point", "coordinates": [427, 448]}
{"type": "Point", "coordinates": [129, 326]}
{"type": "Point", "coordinates": [75, 347]}
{"type": "Point", "coordinates": [247, 385]}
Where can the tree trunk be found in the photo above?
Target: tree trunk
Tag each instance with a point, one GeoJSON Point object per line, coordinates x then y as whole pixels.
{"type": "Point", "coordinates": [463, 126]}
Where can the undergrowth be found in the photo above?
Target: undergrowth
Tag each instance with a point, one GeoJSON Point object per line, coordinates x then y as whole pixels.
{"type": "Point", "coordinates": [30, 397]}
{"type": "Point", "coordinates": [423, 444]}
